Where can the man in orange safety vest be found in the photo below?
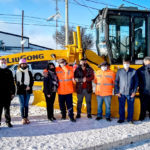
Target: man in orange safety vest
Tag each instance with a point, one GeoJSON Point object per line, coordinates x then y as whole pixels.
{"type": "Point", "coordinates": [65, 88]}
{"type": "Point", "coordinates": [104, 80]}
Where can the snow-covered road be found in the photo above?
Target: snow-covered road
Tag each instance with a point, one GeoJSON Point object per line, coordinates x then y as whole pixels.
{"type": "Point", "coordinates": [85, 133]}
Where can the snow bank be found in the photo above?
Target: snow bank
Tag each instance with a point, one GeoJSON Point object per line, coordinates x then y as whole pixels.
{"type": "Point", "coordinates": [65, 135]}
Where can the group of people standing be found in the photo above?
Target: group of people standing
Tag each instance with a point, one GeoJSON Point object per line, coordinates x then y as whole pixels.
{"type": "Point", "coordinates": [61, 79]}
{"type": "Point", "coordinates": [123, 84]}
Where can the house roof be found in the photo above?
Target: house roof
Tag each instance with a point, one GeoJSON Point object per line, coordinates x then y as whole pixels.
{"type": "Point", "coordinates": [26, 38]}
{"type": "Point", "coordinates": [13, 34]}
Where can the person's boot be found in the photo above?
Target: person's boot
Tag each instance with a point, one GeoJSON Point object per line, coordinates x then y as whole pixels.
{"type": "Point", "coordinates": [72, 120]}
{"type": "Point", "coordinates": [141, 118]}
{"type": "Point", "coordinates": [9, 125]}
{"type": "Point", "coordinates": [78, 116]}
{"type": "Point", "coordinates": [23, 121]}
{"type": "Point", "coordinates": [27, 120]}
{"type": "Point", "coordinates": [108, 119]}
{"type": "Point", "coordinates": [51, 119]}
{"type": "Point", "coordinates": [98, 118]}
{"type": "Point", "coordinates": [63, 117]}
{"type": "Point", "coordinates": [120, 121]}
{"type": "Point", "coordinates": [54, 118]}
{"type": "Point", "coordinates": [89, 116]}
{"type": "Point", "coordinates": [131, 122]}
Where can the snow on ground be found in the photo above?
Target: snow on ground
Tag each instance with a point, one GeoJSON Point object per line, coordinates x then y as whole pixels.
{"type": "Point", "coordinates": [142, 145]}
{"type": "Point", "coordinates": [63, 135]}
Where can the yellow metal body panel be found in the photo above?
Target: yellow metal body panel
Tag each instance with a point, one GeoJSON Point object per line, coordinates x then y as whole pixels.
{"type": "Point", "coordinates": [39, 100]}
{"type": "Point", "coordinates": [36, 56]}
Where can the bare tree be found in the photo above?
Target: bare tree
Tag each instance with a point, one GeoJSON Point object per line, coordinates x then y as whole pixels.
{"type": "Point", "coordinates": [87, 39]}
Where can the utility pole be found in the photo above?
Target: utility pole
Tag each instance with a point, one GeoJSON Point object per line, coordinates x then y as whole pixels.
{"type": "Point", "coordinates": [66, 22]}
{"type": "Point", "coordinates": [56, 22]}
{"type": "Point", "coordinates": [22, 30]}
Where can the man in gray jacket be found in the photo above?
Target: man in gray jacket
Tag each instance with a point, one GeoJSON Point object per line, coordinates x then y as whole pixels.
{"type": "Point", "coordinates": [126, 84]}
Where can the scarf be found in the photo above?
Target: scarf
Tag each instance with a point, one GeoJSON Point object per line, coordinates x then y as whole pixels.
{"type": "Point", "coordinates": [26, 76]}
{"type": "Point", "coordinates": [54, 80]}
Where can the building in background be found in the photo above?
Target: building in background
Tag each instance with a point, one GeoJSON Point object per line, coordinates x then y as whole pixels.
{"type": "Point", "coordinates": [11, 43]}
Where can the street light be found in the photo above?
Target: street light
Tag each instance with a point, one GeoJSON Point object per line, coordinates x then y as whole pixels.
{"type": "Point", "coordinates": [52, 18]}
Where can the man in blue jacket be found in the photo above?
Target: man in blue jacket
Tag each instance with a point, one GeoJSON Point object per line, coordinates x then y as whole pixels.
{"type": "Point", "coordinates": [126, 84]}
{"type": "Point", "coordinates": [144, 87]}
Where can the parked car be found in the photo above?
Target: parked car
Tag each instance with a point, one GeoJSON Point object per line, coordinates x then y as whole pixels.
{"type": "Point", "coordinates": [37, 73]}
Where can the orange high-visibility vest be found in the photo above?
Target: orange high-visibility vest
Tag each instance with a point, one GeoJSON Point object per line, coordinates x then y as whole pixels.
{"type": "Point", "coordinates": [104, 82]}
{"type": "Point", "coordinates": [65, 77]}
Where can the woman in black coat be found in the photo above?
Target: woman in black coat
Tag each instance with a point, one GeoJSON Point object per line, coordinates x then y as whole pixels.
{"type": "Point", "coordinates": [7, 91]}
{"type": "Point", "coordinates": [50, 88]}
{"type": "Point", "coordinates": [24, 82]}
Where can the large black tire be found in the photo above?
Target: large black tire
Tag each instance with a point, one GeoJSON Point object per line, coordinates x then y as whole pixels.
{"type": "Point", "coordinates": [38, 77]}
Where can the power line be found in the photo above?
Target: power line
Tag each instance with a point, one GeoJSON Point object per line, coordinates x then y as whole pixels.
{"type": "Point", "coordinates": [44, 19]}
{"type": "Point", "coordinates": [85, 5]}
{"type": "Point", "coordinates": [25, 16]}
{"type": "Point", "coordinates": [36, 18]}
{"type": "Point", "coordinates": [5, 22]}
{"type": "Point", "coordinates": [9, 15]}
{"type": "Point", "coordinates": [19, 19]}
{"type": "Point", "coordinates": [101, 3]}
{"type": "Point", "coordinates": [88, 9]}
{"type": "Point", "coordinates": [135, 4]}
{"type": "Point", "coordinates": [93, 2]}
{"type": "Point", "coordinates": [26, 24]}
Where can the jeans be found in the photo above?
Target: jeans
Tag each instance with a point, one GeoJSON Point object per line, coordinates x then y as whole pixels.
{"type": "Point", "coordinates": [130, 102]}
{"type": "Point", "coordinates": [80, 100]}
{"type": "Point", "coordinates": [24, 105]}
{"type": "Point", "coordinates": [66, 100]}
{"type": "Point", "coordinates": [100, 100]}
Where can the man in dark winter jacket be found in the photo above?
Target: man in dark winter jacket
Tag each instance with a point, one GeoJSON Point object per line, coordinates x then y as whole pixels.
{"type": "Point", "coordinates": [144, 87]}
{"type": "Point", "coordinates": [7, 91]}
{"type": "Point", "coordinates": [84, 75]}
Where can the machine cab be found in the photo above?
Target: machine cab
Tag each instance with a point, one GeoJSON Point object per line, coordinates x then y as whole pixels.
{"type": "Point", "coordinates": [123, 32]}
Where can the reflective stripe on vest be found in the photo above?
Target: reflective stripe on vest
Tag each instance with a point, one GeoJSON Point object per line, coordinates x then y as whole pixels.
{"type": "Point", "coordinates": [107, 84]}
{"type": "Point", "coordinates": [98, 84]}
{"type": "Point", "coordinates": [107, 76]}
{"type": "Point", "coordinates": [68, 80]}
{"type": "Point", "coordinates": [99, 75]}
{"type": "Point", "coordinates": [69, 72]}
{"type": "Point", "coordinates": [65, 80]}
{"type": "Point", "coordinates": [62, 72]}
{"type": "Point", "coordinates": [59, 72]}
